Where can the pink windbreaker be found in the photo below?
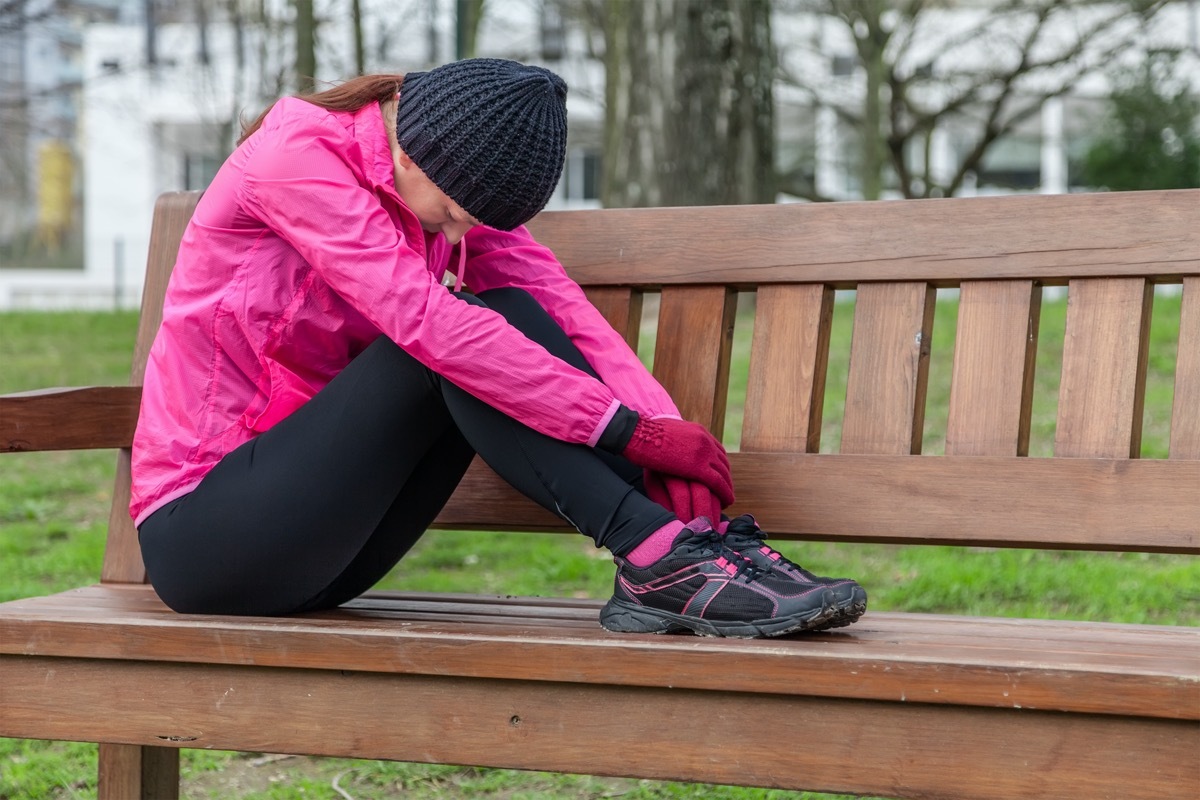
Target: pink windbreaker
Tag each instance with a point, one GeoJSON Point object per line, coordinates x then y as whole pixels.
{"type": "Point", "coordinates": [298, 256]}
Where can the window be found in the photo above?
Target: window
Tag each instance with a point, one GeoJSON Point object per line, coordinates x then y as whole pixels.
{"type": "Point", "coordinates": [199, 169]}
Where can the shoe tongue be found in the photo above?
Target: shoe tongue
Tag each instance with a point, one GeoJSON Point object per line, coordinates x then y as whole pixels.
{"type": "Point", "coordinates": [698, 528]}
{"type": "Point", "coordinates": [744, 524]}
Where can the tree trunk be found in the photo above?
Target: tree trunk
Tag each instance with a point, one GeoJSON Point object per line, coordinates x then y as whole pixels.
{"type": "Point", "coordinates": [306, 50]}
{"type": "Point", "coordinates": [689, 111]}
{"type": "Point", "coordinates": [360, 50]}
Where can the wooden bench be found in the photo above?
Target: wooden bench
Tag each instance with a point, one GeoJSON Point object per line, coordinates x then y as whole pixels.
{"type": "Point", "coordinates": [901, 704]}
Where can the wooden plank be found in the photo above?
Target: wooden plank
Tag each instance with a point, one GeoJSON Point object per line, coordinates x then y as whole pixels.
{"type": "Point", "coordinates": [789, 355]}
{"type": "Point", "coordinates": [889, 368]}
{"type": "Point", "coordinates": [622, 307]}
{"type": "Point", "coordinates": [1151, 671]}
{"type": "Point", "coordinates": [914, 749]}
{"type": "Point", "coordinates": [991, 390]}
{"type": "Point", "coordinates": [1046, 239]}
{"type": "Point", "coordinates": [130, 772]}
{"type": "Point", "coordinates": [122, 553]}
{"type": "Point", "coordinates": [1103, 385]}
{"type": "Point", "coordinates": [691, 353]}
{"type": "Point", "coordinates": [78, 418]}
{"type": "Point", "coordinates": [1185, 415]}
{"type": "Point", "coordinates": [1087, 504]}
{"type": "Point", "coordinates": [172, 212]}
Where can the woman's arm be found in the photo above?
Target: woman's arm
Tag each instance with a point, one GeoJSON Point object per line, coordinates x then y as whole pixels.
{"type": "Point", "coordinates": [300, 185]}
{"type": "Point", "coordinates": [514, 258]}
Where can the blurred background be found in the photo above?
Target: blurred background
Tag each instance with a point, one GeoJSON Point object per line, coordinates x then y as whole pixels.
{"type": "Point", "coordinates": [104, 104]}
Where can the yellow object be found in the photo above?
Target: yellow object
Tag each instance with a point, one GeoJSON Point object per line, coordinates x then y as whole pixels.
{"type": "Point", "coordinates": [56, 177]}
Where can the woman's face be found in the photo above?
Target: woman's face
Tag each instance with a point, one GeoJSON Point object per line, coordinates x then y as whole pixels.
{"type": "Point", "coordinates": [433, 207]}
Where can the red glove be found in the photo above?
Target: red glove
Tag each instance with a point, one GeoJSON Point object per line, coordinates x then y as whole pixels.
{"type": "Point", "coordinates": [683, 449]}
{"type": "Point", "coordinates": [686, 499]}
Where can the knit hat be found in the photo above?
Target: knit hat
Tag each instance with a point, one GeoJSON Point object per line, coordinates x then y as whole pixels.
{"type": "Point", "coordinates": [490, 133]}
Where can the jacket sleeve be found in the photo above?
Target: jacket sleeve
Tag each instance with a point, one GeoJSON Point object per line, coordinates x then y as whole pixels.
{"type": "Point", "coordinates": [514, 258]}
{"type": "Point", "coordinates": [299, 184]}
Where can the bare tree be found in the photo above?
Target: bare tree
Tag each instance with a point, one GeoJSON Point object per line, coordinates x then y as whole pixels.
{"type": "Point", "coordinates": [689, 117]}
{"type": "Point", "coordinates": [985, 78]}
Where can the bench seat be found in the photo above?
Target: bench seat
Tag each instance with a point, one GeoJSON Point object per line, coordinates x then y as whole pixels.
{"type": "Point", "coordinates": [509, 674]}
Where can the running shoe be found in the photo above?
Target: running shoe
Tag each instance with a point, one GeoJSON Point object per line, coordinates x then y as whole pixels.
{"type": "Point", "coordinates": [745, 537]}
{"type": "Point", "coordinates": [705, 587]}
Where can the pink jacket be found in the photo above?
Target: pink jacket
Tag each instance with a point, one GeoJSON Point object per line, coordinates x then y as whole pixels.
{"type": "Point", "coordinates": [298, 256]}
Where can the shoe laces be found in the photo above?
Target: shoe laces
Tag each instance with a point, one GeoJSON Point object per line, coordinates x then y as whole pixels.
{"type": "Point", "coordinates": [743, 528]}
{"type": "Point", "coordinates": [715, 542]}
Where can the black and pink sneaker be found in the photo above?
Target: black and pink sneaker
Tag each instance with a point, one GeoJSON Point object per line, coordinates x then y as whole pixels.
{"type": "Point", "coordinates": [745, 537]}
{"type": "Point", "coordinates": [705, 587]}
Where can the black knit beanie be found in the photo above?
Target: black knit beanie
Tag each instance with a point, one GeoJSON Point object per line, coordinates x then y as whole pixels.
{"type": "Point", "coordinates": [492, 134]}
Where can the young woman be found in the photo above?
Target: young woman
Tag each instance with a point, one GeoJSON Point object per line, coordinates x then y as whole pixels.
{"type": "Point", "coordinates": [316, 392]}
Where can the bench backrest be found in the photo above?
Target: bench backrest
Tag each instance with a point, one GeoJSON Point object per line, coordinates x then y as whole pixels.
{"type": "Point", "coordinates": [1110, 250]}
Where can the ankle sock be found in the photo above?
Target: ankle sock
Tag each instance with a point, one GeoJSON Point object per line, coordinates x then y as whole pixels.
{"type": "Point", "coordinates": [656, 545]}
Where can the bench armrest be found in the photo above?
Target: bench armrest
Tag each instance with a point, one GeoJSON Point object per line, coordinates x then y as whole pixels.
{"type": "Point", "coordinates": [69, 418]}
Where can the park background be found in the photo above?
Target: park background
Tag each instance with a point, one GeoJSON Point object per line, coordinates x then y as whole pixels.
{"type": "Point", "coordinates": [105, 104]}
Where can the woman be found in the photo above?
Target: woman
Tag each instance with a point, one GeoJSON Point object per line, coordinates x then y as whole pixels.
{"type": "Point", "coordinates": [315, 392]}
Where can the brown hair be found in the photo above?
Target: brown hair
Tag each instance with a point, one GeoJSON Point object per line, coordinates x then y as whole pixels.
{"type": "Point", "coordinates": [349, 96]}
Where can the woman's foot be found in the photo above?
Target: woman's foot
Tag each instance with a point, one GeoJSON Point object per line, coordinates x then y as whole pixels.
{"type": "Point", "coordinates": [745, 537]}
{"type": "Point", "coordinates": [704, 586]}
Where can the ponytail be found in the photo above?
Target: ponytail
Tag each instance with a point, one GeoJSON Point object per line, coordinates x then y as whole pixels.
{"type": "Point", "coordinates": [348, 96]}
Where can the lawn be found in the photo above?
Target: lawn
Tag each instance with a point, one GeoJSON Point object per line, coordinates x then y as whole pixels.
{"type": "Point", "coordinates": [54, 506]}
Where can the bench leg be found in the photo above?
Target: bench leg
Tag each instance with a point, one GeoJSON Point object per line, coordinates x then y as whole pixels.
{"type": "Point", "coordinates": [132, 772]}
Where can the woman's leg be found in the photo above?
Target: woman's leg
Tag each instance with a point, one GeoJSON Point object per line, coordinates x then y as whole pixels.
{"type": "Point", "coordinates": [319, 508]}
{"type": "Point", "coordinates": [272, 527]}
{"type": "Point", "coordinates": [594, 491]}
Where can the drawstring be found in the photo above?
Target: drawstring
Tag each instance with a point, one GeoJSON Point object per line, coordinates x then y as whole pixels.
{"type": "Point", "coordinates": [462, 266]}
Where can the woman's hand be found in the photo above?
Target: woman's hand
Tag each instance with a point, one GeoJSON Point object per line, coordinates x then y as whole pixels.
{"type": "Point", "coordinates": [686, 499]}
{"type": "Point", "coordinates": [682, 449]}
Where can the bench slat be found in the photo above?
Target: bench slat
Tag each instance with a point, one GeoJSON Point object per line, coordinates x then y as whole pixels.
{"type": "Point", "coordinates": [1045, 239]}
{"type": "Point", "coordinates": [1086, 504]}
{"type": "Point", "coordinates": [1100, 409]}
{"type": "Point", "coordinates": [991, 390]}
{"type": "Point", "coordinates": [1070, 666]}
{"type": "Point", "coordinates": [889, 368]}
{"type": "Point", "coordinates": [75, 418]}
{"type": "Point", "coordinates": [1185, 416]}
{"type": "Point", "coordinates": [622, 307]}
{"type": "Point", "coordinates": [913, 749]}
{"type": "Point", "coordinates": [789, 358]}
{"type": "Point", "coordinates": [691, 353]}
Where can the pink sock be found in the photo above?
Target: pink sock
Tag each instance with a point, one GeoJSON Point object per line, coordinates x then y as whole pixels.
{"type": "Point", "coordinates": [655, 546]}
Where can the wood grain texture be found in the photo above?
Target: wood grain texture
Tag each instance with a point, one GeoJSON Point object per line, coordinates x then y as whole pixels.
{"type": "Point", "coordinates": [131, 772]}
{"type": "Point", "coordinates": [789, 357]}
{"type": "Point", "coordinates": [1103, 385]}
{"type": "Point", "coordinates": [913, 749]}
{"type": "Point", "coordinates": [122, 553]}
{"type": "Point", "coordinates": [1087, 504]}
{"type": "Point", "coordinates": [1139, 670]}
{"type": "Point", "coordinates": [1044, 238]}
{"type": "Point", "coordinates": [82, 418]}
{"type": "Point", "coordinates": [622, 308]}
{"type": "Point", "coordinates": [172, 212]}
{"type": "Point", "coordinates": [691, 353]}
{"type": "Point", "coordinates": [889, 368]}
{"type": "Point", "coordinates": [1185, 414]}
{"type": "Point", "coordinates": [991, 389]}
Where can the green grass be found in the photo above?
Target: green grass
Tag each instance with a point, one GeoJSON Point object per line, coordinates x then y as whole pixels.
{"type": "Point", "coordinates": [54, 507]}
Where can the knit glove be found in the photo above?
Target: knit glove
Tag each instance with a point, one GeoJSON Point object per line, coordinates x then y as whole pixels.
{"type": "Point", "coordinates": [686, 499]}
{"type": "Point", "coordinates": [673, 446]}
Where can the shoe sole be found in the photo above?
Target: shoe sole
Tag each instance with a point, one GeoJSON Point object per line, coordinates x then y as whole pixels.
{"type": "Point", "coordinates": [849, 612]}
{"type": "Point", "coordinates": [621, 616]}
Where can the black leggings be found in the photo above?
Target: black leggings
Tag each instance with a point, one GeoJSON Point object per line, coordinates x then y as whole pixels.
{"type": "Point", "coordinates": [318, 509]}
